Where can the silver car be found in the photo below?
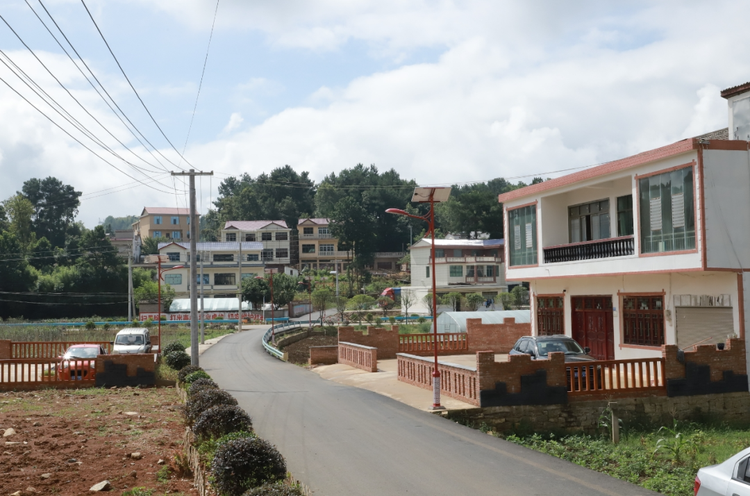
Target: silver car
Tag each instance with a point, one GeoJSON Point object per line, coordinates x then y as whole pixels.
{"type": "Point", "coordinates": [731, 478]}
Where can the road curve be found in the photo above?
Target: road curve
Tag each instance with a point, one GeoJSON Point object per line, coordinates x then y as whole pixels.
{"type": "Point", "coordinates": [341, 440]}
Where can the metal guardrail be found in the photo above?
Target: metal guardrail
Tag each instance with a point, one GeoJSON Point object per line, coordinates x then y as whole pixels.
{"type": "Point", "coordinates": [280, 330]}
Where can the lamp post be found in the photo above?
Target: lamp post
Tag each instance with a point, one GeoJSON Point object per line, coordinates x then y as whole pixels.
{"type": "Point", "coordinates": [431, 196]}
{"type": "Point", "coordinates": [160, 273]}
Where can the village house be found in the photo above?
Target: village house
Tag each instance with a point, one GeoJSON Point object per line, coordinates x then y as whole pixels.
{"type": "Point", "coordinates": [274, 235]}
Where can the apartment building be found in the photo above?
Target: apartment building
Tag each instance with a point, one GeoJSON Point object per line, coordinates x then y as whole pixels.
{"type": "Point", "coordinates": [643, 251]}
{"type": "Point", "coordinates": [163, 222]}
{"type": "Point", "coordinates": [274, 235]}
{"type": "Point", "coordinates": [318, 249]}
{"type": "Point", "coordinates": [225, 265]}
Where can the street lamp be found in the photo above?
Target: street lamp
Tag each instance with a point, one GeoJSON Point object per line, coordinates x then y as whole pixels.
{"type": "Point", "coordinates": [337, 281]}
{"type": "Point", "coordinates": [431, 196]}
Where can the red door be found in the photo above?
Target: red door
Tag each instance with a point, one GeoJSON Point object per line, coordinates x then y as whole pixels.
{"type": "Point", "coordinates": [593, 325]}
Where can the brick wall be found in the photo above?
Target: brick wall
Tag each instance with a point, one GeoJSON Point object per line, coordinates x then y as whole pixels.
{"type": "Point", "coordinates": [499, 338]}
{"type": "Point", "coordinates": [358, 356]}
{"type": "Point", "coordinates": [510, 372]}
{"type": "Point", "coordinates": [5, 349]}
{"type": "Point", "coordinates": [385, 340]}
{"type": "Point", "coordinates": [324, 355]}
{"type": "Point", "coordinates": [707, 370]}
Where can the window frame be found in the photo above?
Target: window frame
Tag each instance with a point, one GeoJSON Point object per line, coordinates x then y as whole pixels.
{"type": "Point", "coordinates": [156, 234]}
{"type": "Point", "coordinates": [175, 220]}
{"type": "Point", "coordinates": [327, 251]}
{"type": "Point", "coordinates": [230, 237]}
{"type": "Point", "coordinates": [266, 255]}
{"type": "Point", "coordinates": [629, 334]}
{"type": "Point", "coordinates": [282, 252]}
{"type": "Point", "coordinates": [531, 258]}
{"type": "Point", "coordinates": [173, 277]}
{"type": "Point", "coordinates": [266, 236]}
{"type": "Point", "coordinates": [229, 276]}
{"type": "Point", "coordinates": [174, 256]}
{"type": "Point", "coordinates": [628, 212]}
{"type": "Point", "coordinates": [588, 232]}
{"type": "Point", "coordinates": [551, 313]}
{"type": "Point", "coordinates": [452, 269]}
{"type": "Point", "coordinates": [157, 220]}
{"type": "Point", "coordinates": [306, 248]}
{"type": "Point", "coordinates": [281, 236]}
{"type": "Point", "coordinates": [222, 257]}
{"type": "Point", "coordinates": [253, 257]}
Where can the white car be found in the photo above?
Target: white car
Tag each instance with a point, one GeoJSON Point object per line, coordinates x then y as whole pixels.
{"type": "Point", "coordinates": [731, 478]}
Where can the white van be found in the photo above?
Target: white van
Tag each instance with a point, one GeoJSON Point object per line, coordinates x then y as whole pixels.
{"type": "Point", "coordinates": [132, 340]}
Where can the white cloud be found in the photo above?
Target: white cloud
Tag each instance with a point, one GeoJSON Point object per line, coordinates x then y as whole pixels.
{"type": "Point", "coordinates": [235, 121]}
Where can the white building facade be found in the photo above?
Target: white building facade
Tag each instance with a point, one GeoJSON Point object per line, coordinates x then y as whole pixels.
{"type": "Point", "coordinates": [648, 250]}
{"type": "Point", "coordinates": [274, 235]}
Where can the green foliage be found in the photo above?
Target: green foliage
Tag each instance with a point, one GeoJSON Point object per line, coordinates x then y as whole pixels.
{"type": "Point", "coordinates": [201, 384]}
{"type": "Point", "coordinates": [138, 491]}
{"type": "Point", "coordinates": [392, 320]}
{"type": "Point", "coordinates": [255, 291]}
{"type": "Point", "coordinates": [453, 299]}
{"type": "Point", "coordinates": [174, 346]}
{"type": "Point", "coordinates": [177, 360]}
{"type": "Point", "coordinates": [241, 464]}
{"type": "Point", "coordinates": [55, 207]}
{"type": "Point", "coordinates": [506, 299]}
{"type": "Point", "coordinates": [147, 291]}
{"type": "Point", "coordinates": [520, 296]}
{"type": "Point", "coordinates": [90, 325]}
{"type": "Point", "coordinates": [150, 246]}
{"type": "Point", "coordinates": [473, 300]}
{"type": "Point", "coordinates": [163, 474]}
{"type": "Point", "coordinates": [203, 400]}
{"type": "Point", "coordinates": [284, 289]}
{"type": "Point", "coordinates": [341, 304]}
{"type": "Point", "coordinates": [119, 223]}
{"type": "Point", "coordinates": [20, 212]}
{"type": "Point", "coordinates": [207, 447]}
{"type": "Point", "coordinates": [360, 304]}
{"type": "Point", "coordinates": [194, 376]}
{"type": "Point", "coordinates": [385, 304]}
{"type": "Point", "coordinates": [676, 444]}
{"type": "Point", "coordinates": [221, 420]}
{"type": "Point", "coordinates": [407, 299]}
{"type": "Point", "coordinates": [321, 296]}
{"type": "Point", "coordinates": [275, 489]}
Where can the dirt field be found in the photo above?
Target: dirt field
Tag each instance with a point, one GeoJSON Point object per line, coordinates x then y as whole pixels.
{"type": "Point", "coordinates": [299, 352]}
{"type": "Point", "coordinates": [65, 441]}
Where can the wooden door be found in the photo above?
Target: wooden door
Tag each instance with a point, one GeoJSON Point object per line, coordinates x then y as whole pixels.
{"type": "Point", "coordinates": [593, 325]}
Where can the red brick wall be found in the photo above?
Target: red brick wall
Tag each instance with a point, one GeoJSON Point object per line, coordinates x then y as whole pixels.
{"type": "Point", "coordinates": [510, 372]}
{"type": "Point", "coordinates": [133, 361]}
{"type": "Point", "coordinates": [5, 349]}
{"type": "Point", "coordinates": [499, 338]}
{"type": "Point", "coordinates": [385, 340]}
{"type": "Point", "coordinates": [324, 355]}
{"type": "Point", "coordinates": [732, 357]}
{"type": "Point", "coordinates": [361, 357]}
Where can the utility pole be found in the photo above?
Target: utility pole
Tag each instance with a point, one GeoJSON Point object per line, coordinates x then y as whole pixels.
{"type": "Point", "coordinates": [130, 287]}
{"type": "Point", "coordinates": [239, 284]}
{"type": "Point", "coordinates": [193, 265]}
{"type": "Point", "coordinates": [203, 316]}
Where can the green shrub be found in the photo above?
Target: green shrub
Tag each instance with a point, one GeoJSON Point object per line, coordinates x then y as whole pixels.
{"type": "Point", "coordinates": [106, 326]}
{"type": "Point", "coordinates": [177, 360]}
{"type": "Point", "coordinates": [173, 346]}
{"type": "Point", "coordinates": [203, 400]}
{"type": "Point", "coordinates": [194, 376]}
{"type": "Point", "coordinates": [221, 420]}
{"type": "Point", "coordinates": [392, 320]}
{"type": "Point", "coordinates": [275, 489]}
{"type": "Point", "coordinates": [90, 325]}
{"type": "Point", "coordinates": [421, 320]}
{"type": "Point", "coordinates": [200, 385]}
{"type": "Point", "coordinates": [241, 464]}
{"type": "Point", "coordinates": [185, 371]}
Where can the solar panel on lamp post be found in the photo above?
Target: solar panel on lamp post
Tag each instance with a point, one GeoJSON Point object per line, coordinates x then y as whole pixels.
{"type": "Point", "coordinates": [431, 196]}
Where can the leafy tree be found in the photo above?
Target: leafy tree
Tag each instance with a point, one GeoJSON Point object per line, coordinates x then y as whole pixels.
{"type": "Point", "coordinates": [520, 296]}
{"type": "Point", "coordinates": [341, 305]}
{"type": "Point", "coordinates": [55, 207]}
{"type": "Point", "coordinates": [97, 250]}
{"type": "Point", "coordinates": [506, 299]}
{"type": "Point", "coordinates": [256, 291]}
{"type": "Point", "coordinates": [407, 300]}
{"type": "Point", "coordinates": [4, 224]}
{"type": "Point", "coordinates": [148, 292]}
{"type": "Point", "coordinates": [321, 296]}
{"type": "Point", "coordinates": [42, 254]}
{"type": "Point", "coordinates": [453, 299]}
{"type": "Point", "coordinates": [20, 211]}
{"type": "Point", "coordinates": [284, 289]}
{"type": "Point", "coordinates": [16, 276]}
{"type": "Point", "coordinates": [150, 246]}
{"type": "Point", "coordinates": [360, 304]}
{"type": "Point", "coordinates": [119, 223]}
{"type": "Point", "coordinates": [385, 304]}
{"type": "Point", "coordinates": [428, 301]}
{"type": "Point", "coordinates": [473, 300]}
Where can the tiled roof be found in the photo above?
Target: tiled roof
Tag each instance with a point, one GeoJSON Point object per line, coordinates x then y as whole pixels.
{"type": "Point", "coordinates": [735, 90]}
{"type": "Point", "coordinates": [253, 225]}
{"type": "Point", "coordinates": [719, 134]}
{"type": "Point", "coordinates": [165, 211]}
{"type": "Point", "coordinates": [217, 246]}
{"type": "Point", "coordinates": [315, 220]}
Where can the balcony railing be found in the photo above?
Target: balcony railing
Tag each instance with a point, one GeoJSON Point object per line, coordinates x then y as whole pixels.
{"type": "Point", "coordinates": [469, 259]}
{"type": "Point", "coordinates": [588, 250]}
{"type": "Point", "coordinates": [480, 280]}
{"type": "Point", "coordinates": [316, 236]}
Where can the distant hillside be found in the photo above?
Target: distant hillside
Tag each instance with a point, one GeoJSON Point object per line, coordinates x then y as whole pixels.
{"type": "Point", "coordinates": [117, 223]}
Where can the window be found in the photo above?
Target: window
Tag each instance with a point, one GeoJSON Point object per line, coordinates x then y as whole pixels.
{"type": "Point", "coordinates": [187, 220]}
{"type": "Point", "coordinates": [157, 220]}
{"type": "Point", "coordinates": [427, 271]}
{"type": "Point", "coordinates": [439, 253]}
{"type": "Point", "coordinates": [489, 271]}
{"type": "Point", "coordinates": [223, 257]}
{"type": "Point", "coordinates": [175, 221]}
{"type": "Point", "coordinates": [205, 279]}
{"type": "Point", "coordinates": [666, 211]}
{"type": "Point", "coordinates": [456, 271]}
{"type": "Point", "coordinates": [385, 265]}
{"type": "Point", "coordinates": [266, 236]}
{"type": "Point", "coordinates": [308, 248]}
{"type": "Point", "coordinates": [307, 231]}
{"type": "Point", "coordinates": [174, 256]}
{"type": "Point", "coordinates": [549, 315]}
{"type": "Point", "coordinates": [469, 271]}
{"type": "Point", "coordinates": [282, 236]}
{"type": "Point", "coordinates": [267, 255]}
{"type": "Point", "coordinates": [282, 252]}
{"type": "Point", "coordinates": [231, 236]}
{"type": "Point", "coordinates": [643, 320]}
{"type": "Point", "coordinates": [176, 234]}
{"type": "Point", "coordinates": [156, 234]}
{"type": "Point", "coordinates": [625, 215]}
{"type": "Point", "coordinates": [173, 279]}
{"type": "Point", "coordinates": [589, 221]}
{"type": "Point", "coordinates": [253, 257]}
{"type": "Point", "coordinates": [326, 249]}
{"type": "Point", "coordinates": [250, 237]}
{"type": "Point", "coordinates": [458, 253]}
{"type": "Point", "coordinates": [225, 279]}
{"type": "Point", "coordinates": [324, 232]}
{"type": "Point", "coordinates": [522, 231]}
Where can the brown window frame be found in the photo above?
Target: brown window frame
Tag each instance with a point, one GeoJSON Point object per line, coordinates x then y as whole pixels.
{"type": "Point", "coordinates": [550, 315]}
{"type": "Point", "coordinates": [643, 326]}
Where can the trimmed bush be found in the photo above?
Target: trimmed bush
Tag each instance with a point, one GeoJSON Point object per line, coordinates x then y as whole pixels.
{"type": "Point", "coordinates": [242, 464]}
{"type": "Point", "coordinates": [277, 489]}
{"type": "Point", "coordinates": [173, 346]}
{"type": "Point", "coordinates": [194, 376]}
{"type": "Point", "coordinates": [207, 447]}
{"type": "Point", "coordinates": [177, 360]}
{"type": "Point", "coordinates": [203, 400]}
{"type": "Point", "coordinates": [200, 385]}
{"type": "Point", "coordinates": [185, 371]}
{"type": "Point", "coordinates": [221, 420]}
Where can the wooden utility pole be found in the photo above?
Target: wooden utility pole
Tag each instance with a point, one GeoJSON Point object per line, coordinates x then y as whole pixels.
{"type": "Point", "coordinates": [193, 264]}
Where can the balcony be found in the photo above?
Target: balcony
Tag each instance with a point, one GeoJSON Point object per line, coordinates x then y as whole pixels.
{"type": "Point", "coordinates": [469, 259]}
{"type": "Point", "coordinates": [481, 280]}
{"type": "Point", "coordinates": [316, 236]}
{"type": "Point", "coordinates": [589, 250]}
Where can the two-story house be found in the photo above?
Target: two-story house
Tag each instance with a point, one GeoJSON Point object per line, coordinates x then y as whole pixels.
{"type": "Point", "coordinates": [647, 250]}
{"type": "Point", "coordinates": [163, 222]}
{"type": "Point", "coordinates": [273, 234]}
{"type": "Point", "coordinates": [461, 266]}
{"type": "Point", "coordinates": [225, 265]}
{"type": "Point", "coordinates": [318, 249]}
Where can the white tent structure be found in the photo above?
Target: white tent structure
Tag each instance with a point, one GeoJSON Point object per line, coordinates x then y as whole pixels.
{"type": "Point", "coordinates": [456, 321]}
{"type": "Point", "coordinates": [209, 305]}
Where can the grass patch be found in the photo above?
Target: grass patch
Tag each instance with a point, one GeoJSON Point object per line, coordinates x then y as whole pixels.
{"type": "Point", "coordinates": [664, 460]}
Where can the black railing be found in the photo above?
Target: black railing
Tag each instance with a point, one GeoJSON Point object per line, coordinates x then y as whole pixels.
{"type": "Point", "coordinates": [602, 248]}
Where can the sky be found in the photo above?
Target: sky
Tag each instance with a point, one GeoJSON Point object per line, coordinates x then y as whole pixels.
{"type": "Point", "coordinates": [444, 92]}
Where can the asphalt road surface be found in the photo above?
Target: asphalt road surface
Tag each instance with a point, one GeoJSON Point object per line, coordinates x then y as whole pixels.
{"type": "Point", "coordinates": [341, 440]}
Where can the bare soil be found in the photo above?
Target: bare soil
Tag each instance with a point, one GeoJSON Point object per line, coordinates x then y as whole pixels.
{"type": "Point", "coordinates": [299, 352]}
{"type": "Point", "coordinates": [66, 441]}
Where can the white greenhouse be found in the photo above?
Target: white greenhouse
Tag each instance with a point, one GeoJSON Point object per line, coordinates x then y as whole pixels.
{"type": "Point", "coordinates": [456, 321]}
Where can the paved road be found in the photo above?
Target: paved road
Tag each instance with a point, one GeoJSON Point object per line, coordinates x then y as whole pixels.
{"type": "Point", "coordinates": [341, 440]}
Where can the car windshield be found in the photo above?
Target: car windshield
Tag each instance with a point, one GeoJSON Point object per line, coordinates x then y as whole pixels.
{"type": "Point", "coordinates": [134, 339]}
{"type": "Point", "coordinates": [567, 346]}
{"type": "Point", "coordinates": [88, 352]}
